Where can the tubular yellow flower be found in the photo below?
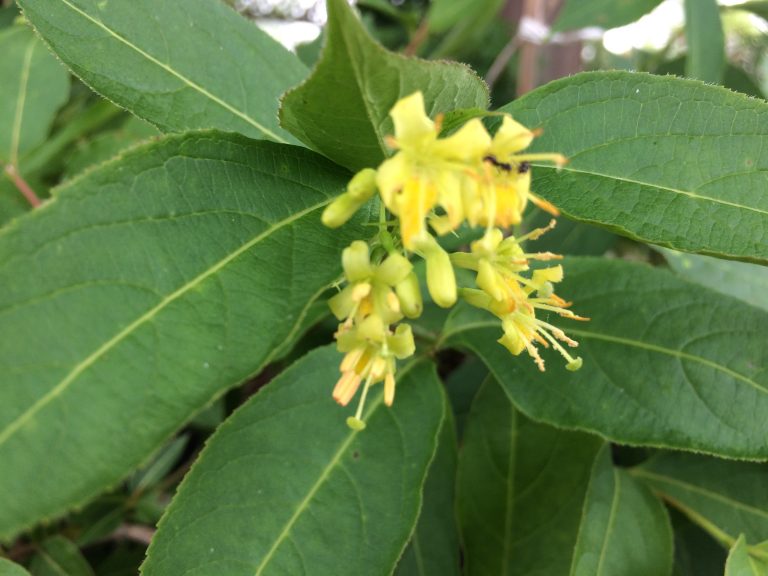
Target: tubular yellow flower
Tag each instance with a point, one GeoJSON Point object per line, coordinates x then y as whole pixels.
{"type": "Point", "coordinates": [427, 171]}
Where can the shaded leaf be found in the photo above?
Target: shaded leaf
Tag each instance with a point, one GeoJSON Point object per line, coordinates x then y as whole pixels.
{"type": "Point", "coordinates": [285, 487]}
{"type": "Point", "coordinates": [725, 498]}
{"type": "Point", "coordinates": [603, 13]}
{"type": "Point", "coordinates": [202, 66]}
{"type": "Point", "coordinates": [366, 80]}
{"type": "Point", "coordinates": [57, 556]}
{"type": "Point", "coordinates": [664, 160]}
{"type": "Point", "coordinates": [624, 528]}
{"type": "Point", "coordinates": [656, 348]}
{"type": "Point", "coordinates": [748, 282]}
{"type": "Point", "coordinates": [696, 552]}
{"type": "Point", "coordinates": [521, 489]}
{"type": "Point", "coordinates": [34, 87]}
{"type": "Point", "coordinates": [434, 545]}
{"type": "Point", "coordinates": [8, 568]}
{"type": "Point", "coordinates": [141, 292]}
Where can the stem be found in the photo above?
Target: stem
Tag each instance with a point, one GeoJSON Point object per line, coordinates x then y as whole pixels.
{"type": "Point", "coordinates": [22, 185]}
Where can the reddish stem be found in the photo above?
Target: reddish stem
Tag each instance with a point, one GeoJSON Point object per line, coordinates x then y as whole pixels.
{"type": "Point", "coordinates": [22, 185]}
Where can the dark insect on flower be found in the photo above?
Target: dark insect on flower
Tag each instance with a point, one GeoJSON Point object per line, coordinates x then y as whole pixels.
{"type": "Point", "coordinates": [500, 165]}
{"type": "Point", "coordinates": [523, 167]}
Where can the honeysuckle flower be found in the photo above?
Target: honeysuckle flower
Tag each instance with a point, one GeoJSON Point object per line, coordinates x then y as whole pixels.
{"type": "Point", "coordinates": [427, 171]}
{"type": "Point", "coordinates": [515, 298]}
{"type": "Point", "coordinates": [360, 189]}
{"type": "Point", "coordinates": [376, 296]}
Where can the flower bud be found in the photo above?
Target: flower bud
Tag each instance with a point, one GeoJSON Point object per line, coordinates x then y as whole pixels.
{"type": "Point", "coordinates": [356, 261]}
{"type": "Point", "coordinates": [441, 279]}
{"type": "Point", "coordinates": [363, 185]}
{"type": "Point", "coordinates": [340, 210]}
{"type": "Point", "coordinates": [409, 294]}
{"type": "Point", "coordinates": [394, 269]}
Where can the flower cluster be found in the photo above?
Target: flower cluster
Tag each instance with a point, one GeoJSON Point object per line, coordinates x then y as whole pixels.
{"type": "Point", "coordinates": [433, 185]}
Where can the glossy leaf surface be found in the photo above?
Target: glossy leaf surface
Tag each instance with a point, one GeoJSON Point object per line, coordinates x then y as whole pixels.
{"type": "Point", "coordinates": [350, 127]}
{"type": "Point", "coordinates": [603, 13]}
{"type": "Point", "coordinates": [200, 66]}
{"type": "Point", "coordinates": [664, 160]}
{"type": "Point", "coordinates": [725, 498]}
{"type": "Point", "coordinates": [656, 347]}
{"type": "Point", "coordinates": [624, 527]}
{"type": "Point", "coordinates": [285, 487]}
{"type": "Point", "coordinates": [142, 291]}
{"type": "Point", "coordinates": [521, 490]}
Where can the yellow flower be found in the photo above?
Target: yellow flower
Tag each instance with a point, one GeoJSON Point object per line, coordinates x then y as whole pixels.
{"type": "Point", "coordinates": [427, 171]}
{"type": "Point", "coordinates": [515, 298]}
{"type": "Point", "coordinates": [376, 296]}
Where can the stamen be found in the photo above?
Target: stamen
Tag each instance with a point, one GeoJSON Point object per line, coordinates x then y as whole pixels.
{"type": "Point", "coordinates": [533, 353]}
{"type": "Point", "coordinates": [359, 412]}
{"type": "Point", "coordinates": [537, 233]}
{"type": "Point", "coordinates": [389, 389]}
{"type": "Point", "coordinates": [544, 205]}
{"type": "Point", "coordinates": [360, 291]}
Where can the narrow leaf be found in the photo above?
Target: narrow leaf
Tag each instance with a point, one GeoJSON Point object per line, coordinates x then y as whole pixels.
{"type": "Point", "coordinates": [365, 81]}
{"type": "Point", "coordinates": [57, 556]}
{"type": "Point", "coordinates": [521, 490]}
{"type": "Point", "coordinates": [664, 160]}
{"type": "Point", "coordinates": [434, 545]}
{"type": "Point", "coordinates": [748, 282]}
{"type": "Point", "coordinates": [34, 86]}
{"type": "Point", "coordinates": [142, 291]}
{"type": "Point", "coordinates": [725, 498]}
{"type": "Point", "coordinates": [285, 487]}
{"type": "Point", "coordinates": [603, 13]}
{"type": "Point", "coordinates": [740, 563]}
{"type": "Point", "coordinates": [200, 66]}
{"type": "Point", "coordinates": [624, 529]}
{"type": "Point", "coordinates": [8, 568]}
{"type": "Point", "coordinates": [656, 348]}
{"type": "Point", "coordinates": [706, 43]}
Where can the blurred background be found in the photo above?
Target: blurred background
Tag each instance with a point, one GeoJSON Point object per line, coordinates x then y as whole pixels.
{"type": "Point", "coordinates": [519, 44]}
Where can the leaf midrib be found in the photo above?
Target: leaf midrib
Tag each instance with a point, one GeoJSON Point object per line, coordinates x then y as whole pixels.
{"type": "Point", "coordinates": [640, 472]}
{"type": "Point", "coordinates": [373, 405]}
{"type": "Point", "coordinates": [13, 154]}
{"type": "Point", "coordinates": [91, 359]}
{"type": "Point", "coordinates": [618, 340]}
{"type": "Point", "coordinates": [692, 195]}
{"type": "Point", "coordinates": [230, 108]}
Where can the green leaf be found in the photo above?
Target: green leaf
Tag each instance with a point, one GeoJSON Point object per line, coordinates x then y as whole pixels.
{"type": "Point", "coordinates": [8, 568]}
{"type": "Point", "coordinates": [603, 13]}
{"type": "Point", "coordinates": [285, 487]}
{"type": "Point", "coordinates": [444, 15]}
{"type": "Point", "coordinates": [57, 556]}
{"type": "Point", "coordinates": [758, 7]}
{"type": "Point", "coordinates": [666, 363]}
{"type": "Point", "coordinates": [34, 87]}
{"type": "Point", "coordinates": [748, 282]}
{"type": "Point", "coordinates": [12, 203]}
{"type": "Point", "coordinates": [521, 489]}
{"type": "Point", "coordinates": [624, 528]}
{"type": "Point", "coordinates": [342, 110]}
{"type": "Point", "coordinates": [434, 545]}
{"type": "Point", "coordinates": [664, 160]}
{"type": "Point", "coordinates": [740, 563]}
{"type": "Point", "coordinates": [202, 66]}
{"type": "Point", "coordinates": [696, 552]}
{"type": "Point", "coordinates": [725, 498]}
{"type": "Point", "coordinates": [143, 290]}
{"type": "Point", "coordinates": [706, 44]}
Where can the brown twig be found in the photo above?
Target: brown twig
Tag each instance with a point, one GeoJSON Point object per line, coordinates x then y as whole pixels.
{"type": "Point", "coordinates": [421, 34]}
{"type": "Point", "coordinates": [134, 533]}
{"type": "Point", "coordinates": [22, 185]}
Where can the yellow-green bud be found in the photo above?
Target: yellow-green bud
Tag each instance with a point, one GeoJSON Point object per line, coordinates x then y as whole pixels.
{"type": "Point", "coordinates": [340, 210]}
{"type": "Point", "coordinates": [394, 269]}
{"type": "Point", "coordinates": [401, 344]}
{"type": "Point", "coordinates": [409, 294]}
{"type": "Point", "coordinates": [441, 280]}
{"type": "Point", "coordinates": [363, 185]}
{"type": "Point", "coordinates": [356, 261]}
